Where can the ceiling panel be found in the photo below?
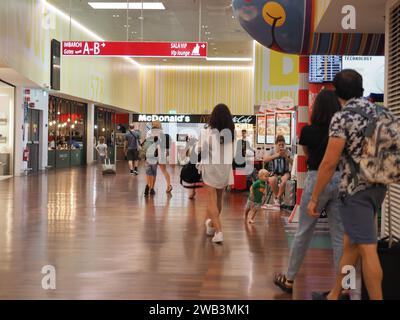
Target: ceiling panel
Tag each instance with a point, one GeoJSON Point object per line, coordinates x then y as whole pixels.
{"type": "Point", "coordinates": [179, 22]}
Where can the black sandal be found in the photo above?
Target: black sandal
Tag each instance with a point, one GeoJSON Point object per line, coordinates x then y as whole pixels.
{"type": "Point", "coordinates": [280, 280]}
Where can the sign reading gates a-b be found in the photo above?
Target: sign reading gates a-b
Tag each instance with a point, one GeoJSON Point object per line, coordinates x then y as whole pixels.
{"type": "Point", "coordinates": [135, 49]}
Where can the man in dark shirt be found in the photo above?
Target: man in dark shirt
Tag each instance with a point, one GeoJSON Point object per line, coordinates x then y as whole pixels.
{"type": "Point", "coordinates": [242, 148]}
{"type": "Point", "coordinates": [359, 198]}
{"type": "Point", "coordinates": [131, 148]}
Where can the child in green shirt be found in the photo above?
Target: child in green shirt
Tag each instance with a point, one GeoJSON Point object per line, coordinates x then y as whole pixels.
{"type": "Point", "coordinates": [257, 192]}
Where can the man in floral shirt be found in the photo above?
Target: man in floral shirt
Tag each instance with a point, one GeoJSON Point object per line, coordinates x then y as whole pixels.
{"type": "Point", "coordinates": [360, 200]}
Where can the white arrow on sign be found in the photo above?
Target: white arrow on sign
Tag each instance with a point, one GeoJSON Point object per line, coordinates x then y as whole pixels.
{"type": "Point", "coordinates": [103, 44]}
{"type": "Point", "coordinates": [203, 46]}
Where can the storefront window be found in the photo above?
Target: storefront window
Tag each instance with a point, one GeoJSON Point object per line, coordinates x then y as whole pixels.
{"type": "Point", "coordinates": [67, 131]}
{"type": "Point", "coordinates": [6, 129]}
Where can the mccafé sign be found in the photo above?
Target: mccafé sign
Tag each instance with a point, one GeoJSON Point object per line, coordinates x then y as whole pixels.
{"type": "Point", "coordinates": [164, 118]}
{"type": "Point", "coordinates": [184, 118]}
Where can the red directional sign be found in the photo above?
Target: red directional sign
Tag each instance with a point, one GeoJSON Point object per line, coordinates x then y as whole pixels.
{"type": "Point", "coordinates": [135, 49]}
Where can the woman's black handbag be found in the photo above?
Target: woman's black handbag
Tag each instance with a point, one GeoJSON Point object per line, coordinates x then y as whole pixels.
{"type": "Point", "coordinates": [190, 176]}
{"type": "Point", "coordinates": [389, 256]}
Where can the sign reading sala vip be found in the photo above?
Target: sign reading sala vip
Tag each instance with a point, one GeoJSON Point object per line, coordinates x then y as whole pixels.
{"type": "Point", "coordinates": [135, 49]}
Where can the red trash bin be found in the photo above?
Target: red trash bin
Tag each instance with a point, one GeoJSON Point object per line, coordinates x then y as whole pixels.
{"type": "Point", "coordinates": [239, 178]}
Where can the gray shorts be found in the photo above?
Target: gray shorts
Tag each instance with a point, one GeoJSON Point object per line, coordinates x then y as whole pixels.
{"type": "Point", "coordinates": [358, 214]}
{"type": "Point", "coordinates": [133, 155]}
{"type": "Point", "coordinates": [151, 169]}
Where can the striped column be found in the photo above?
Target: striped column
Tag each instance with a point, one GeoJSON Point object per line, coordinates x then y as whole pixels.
{"type": "Point", "coordinates": [302, 120]}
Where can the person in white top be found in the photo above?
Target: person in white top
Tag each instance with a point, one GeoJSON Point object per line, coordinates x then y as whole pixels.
{"type": "Point", "coordinates": [163, 151]}
{"type": "Point", "coordinates": [216, 148]}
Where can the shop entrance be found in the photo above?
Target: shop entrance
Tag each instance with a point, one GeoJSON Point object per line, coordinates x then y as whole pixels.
{"type": "Point", "coordinates": [6, 130]}
{"type": "Point", "coordinates": [33, 144]}
{"type": "Point", "coordinates": [67, 133]}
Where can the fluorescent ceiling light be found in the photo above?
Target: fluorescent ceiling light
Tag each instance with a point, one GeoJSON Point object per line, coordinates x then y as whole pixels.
{"type": "Point", "coordinates": [228, 59]}
{"type": "Point", "coordinates": [125, 5]}
{"type": "Point", "coordinates": [80, 26]}
{"type": "Point", "coordinates": [184, 67]}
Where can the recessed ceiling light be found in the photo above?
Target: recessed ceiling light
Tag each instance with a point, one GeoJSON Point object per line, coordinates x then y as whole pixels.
{"type": "Point", "coordinates": [141, 18]}
{"type": "Point", "coordinates": [115, 15]}
{"type": "Point", "coordinates": [125, 5]}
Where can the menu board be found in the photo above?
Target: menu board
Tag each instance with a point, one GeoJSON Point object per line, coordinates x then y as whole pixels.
{"type": "Point", "coordinates": [261, 129]}
{"type": "Point", "coordinates": [270, 128]}
{"type": "Point", "coordinates": [284, 126]}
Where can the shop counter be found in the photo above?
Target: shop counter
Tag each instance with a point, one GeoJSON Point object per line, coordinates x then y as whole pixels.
{"type": "Point", "coordinates": [4, 167]}
{"type": "Point", "coordinates": [63, 158]}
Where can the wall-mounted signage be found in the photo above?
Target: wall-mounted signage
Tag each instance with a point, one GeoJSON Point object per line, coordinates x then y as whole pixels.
{"type": "Point", "coordinates": [244, 119]}
{"type": "Point", "coordinates": [185, 118]}
{"type": "Point", "coordinates": [135, 49]}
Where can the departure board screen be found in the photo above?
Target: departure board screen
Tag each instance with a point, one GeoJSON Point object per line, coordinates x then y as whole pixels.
{"type": "Point", "coordinates": [324, 68]}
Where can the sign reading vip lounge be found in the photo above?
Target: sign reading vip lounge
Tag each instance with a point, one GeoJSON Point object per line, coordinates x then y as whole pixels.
{"type": "Point", "coordinates": [135, 49]}
{"type": "Point", "coordinates": [184, 118]}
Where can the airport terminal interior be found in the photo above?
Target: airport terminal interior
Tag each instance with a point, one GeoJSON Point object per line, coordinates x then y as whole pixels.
{"type": "Point", "coordinates": [88, 87]}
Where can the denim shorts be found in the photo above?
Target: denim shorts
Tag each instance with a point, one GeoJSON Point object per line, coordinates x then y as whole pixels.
{"type": "Point", "coordinates": [358, 213]}
{"type": "Point", "coordinates": [151, 169]}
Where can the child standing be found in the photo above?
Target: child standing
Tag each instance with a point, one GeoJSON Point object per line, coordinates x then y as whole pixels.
{"type": "Point", "coordinates": [257, 192]}
{"type": "Point", "coordinates": [102, 149]}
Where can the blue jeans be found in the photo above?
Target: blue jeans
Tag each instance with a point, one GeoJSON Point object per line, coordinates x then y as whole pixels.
{"type": "Point", "coordinates": [328, 200]}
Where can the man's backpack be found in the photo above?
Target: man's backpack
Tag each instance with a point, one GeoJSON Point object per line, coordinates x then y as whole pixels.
{"type": "Point", "coordinates": [380, 159]}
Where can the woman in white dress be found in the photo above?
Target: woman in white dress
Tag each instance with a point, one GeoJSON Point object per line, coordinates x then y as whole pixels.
{"type": "Point", "coordinates": [163, 152]}
{"type": "Point", "coordinates": [216, 147]}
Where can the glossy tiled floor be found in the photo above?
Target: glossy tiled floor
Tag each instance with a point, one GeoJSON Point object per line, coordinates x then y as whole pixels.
{"type": "Point", "coordinates": [107, 241]}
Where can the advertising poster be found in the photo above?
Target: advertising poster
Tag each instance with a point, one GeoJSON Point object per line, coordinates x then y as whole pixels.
{"type": "Point", "coordinates": [270, 128]}
{"type": "Point", "coordinates": [261, 129]}
{"type": "Point", "coordinates": [283, 126]}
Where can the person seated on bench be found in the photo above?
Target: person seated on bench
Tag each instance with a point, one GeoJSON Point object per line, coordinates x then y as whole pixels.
{"type": "Point", "coordinates": [278, 161]}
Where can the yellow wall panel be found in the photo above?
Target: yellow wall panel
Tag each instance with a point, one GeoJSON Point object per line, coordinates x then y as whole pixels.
{"type": "Point", "coordinates": [196, 90]}
{"type": "Point", "coordinates": [276, 75]}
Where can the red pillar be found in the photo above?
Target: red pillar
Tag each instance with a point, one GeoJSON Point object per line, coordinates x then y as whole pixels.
{"type": "Point", "coordinates": [302, 120]}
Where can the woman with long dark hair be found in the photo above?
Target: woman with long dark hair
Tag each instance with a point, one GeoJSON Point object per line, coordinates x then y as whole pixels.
{"type": "Point", "coordinates": [314, 139]}
{"type": "Point", "coordinates": [216, 147]}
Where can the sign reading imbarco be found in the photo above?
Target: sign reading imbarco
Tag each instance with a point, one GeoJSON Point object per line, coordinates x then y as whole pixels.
{"type": "Point", "coordinates": [136, 49]}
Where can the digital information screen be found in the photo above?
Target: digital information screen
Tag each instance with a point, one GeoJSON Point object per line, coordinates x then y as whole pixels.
{"type": "Point", "coordinates": [372, 70]}
{"type": "Point", "coordinates": [324, 68]}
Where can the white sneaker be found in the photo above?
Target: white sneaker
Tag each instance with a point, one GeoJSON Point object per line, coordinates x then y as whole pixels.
{"type": "Point", "coordinates": [277, 202]}
{"type": "Point", "coordinates": [218, 237]}
{"type": "Point", "coordinates": [209, 230]}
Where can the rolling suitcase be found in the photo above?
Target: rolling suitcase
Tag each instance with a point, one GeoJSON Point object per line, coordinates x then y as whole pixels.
{"type": "Point", "coordinates": [108, 167]}
{"type": "Point", "coordinates": [389, 256]}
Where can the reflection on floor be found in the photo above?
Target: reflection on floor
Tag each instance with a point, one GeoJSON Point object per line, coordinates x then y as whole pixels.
{"type": "Point", "coordinates": [106, 241]}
